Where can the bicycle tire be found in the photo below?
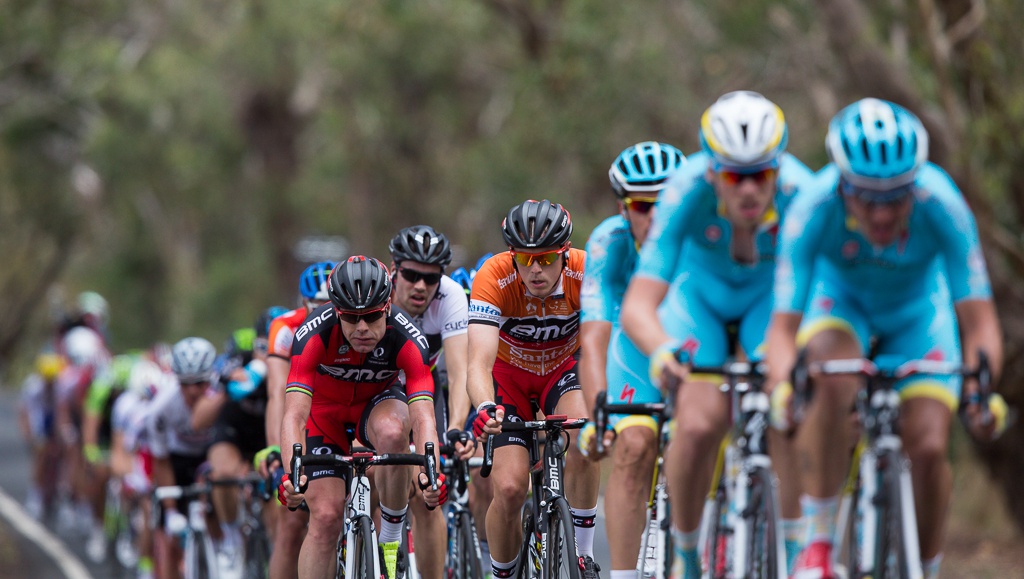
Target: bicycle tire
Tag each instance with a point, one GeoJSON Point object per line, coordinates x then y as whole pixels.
{"type": "Point", "coordinates": [527, 567]}
{"type": "Point", "coordinates": [196, 556]}
{"type": "Point", "coordinates": [667, 553]}
{"type": "Point", "coordinates": [257, 554]}
{"type": "Point", "coordinates": [365, 550]}
{"type": "Point", "coordinates": [469, 547]}
{"type": "Point", "coordinates": [890, 554]}
{"type": "Point", "coordinates": [717, 537]}
{"type": "Point", "coordinates": [761, 521]}
{"type": "Point", "coordinates": [561, 560]}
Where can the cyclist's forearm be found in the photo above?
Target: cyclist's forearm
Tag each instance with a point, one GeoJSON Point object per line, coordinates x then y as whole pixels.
{"type": "Point", "coordinates": [296, 412]}
{"type": "Point", "coordinates": [594, 339]}
{"type": "Point", "coordinates": [163, 476]}
{"type": "Point", "coordinates": [456, 354]}
{"type": "Point", "coordinates": [277, 377]}
{"type": "Point", "coordinates": [639, 314]}
{"type": "Point", "coordinates": [424, 427]}
{"type": "Point", "coordinates": [980, 331]}
{"type": "Point", "coordinates": [782, 349]}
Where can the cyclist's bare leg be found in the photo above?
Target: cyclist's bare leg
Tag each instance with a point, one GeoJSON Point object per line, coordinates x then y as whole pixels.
{"type": "Point", "coordinates": [288, 537]}
{"type": "Point", "coordinates": [924, 427]}
{"type": "Point", "coordinates": [326, 500]}
{"type": "Point", "coordinates": [821, 439]}
{"type": "Point", "coordinates": [429, 529]}
{"type": "Point", "coordinates": [627, 491]}
{"type": "Point", "coordinates": [226, 460]}
{"type": "Point", "coordinates": [388, 431]}
{"type": "Point", "coordinates": [510, 479]}
{"type": "Point", "coordinates": [702, 420]}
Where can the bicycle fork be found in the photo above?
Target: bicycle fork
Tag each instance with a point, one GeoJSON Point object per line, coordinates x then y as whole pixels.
{"type": "Point", "coordinates": [873, 494]}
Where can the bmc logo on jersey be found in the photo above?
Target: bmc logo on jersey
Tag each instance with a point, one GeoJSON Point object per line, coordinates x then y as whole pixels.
{"type": "Point", "coordinates": [412, 329]}
{"type": "Point", "coordinates": [538, 331]}
{"type": "Point", "coordinates": [313, 324]}
{"type": "Point", "coordinates": [357, 374]}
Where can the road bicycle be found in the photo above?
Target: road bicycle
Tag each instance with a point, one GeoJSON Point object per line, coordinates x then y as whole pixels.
{"type": "Point", "coordinates": [199, 553]}
{"type": "Point", "coordinates": [741, 528]}
{"type": "Point", "coordinates": [549, 538]}
{"type": "Point", "coordinates": [876, 534]}
{"type": "Point", "coordinates": [359, 555]}
{"type": "Point", "coordinates": [463, 558]}
{"type": "Point", "coordinates": [655, 557]}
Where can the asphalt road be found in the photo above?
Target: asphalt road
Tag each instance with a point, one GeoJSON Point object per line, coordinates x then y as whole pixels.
{"type": "Point", "coordinates": [29, 550]}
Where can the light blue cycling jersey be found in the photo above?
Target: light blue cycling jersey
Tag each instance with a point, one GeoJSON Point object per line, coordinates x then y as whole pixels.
{"type": "Point", "coordinates": [689, 248]}
{"type": "Point", "coordinates": [902, 294]}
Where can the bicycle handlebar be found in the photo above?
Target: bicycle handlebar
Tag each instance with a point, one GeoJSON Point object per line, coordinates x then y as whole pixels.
{"type": "Point", "coordinates": [602, 410]}
{"type": "Point", "coordinates": [555, 422]}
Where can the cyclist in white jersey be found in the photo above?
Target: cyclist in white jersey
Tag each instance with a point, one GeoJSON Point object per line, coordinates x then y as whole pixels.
{"type": "Point", "coordinates": [177, 448]}
{"type": "Point", "coordinates": [438, 307]}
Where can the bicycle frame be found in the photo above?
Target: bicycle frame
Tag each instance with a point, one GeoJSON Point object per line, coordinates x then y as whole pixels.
{"type": "Point", "coordinates": [458, 514]}
{"type": "Point", "coordinates": [545, 476]}
{"type": "Point", "coordinates": [655, 556]}
{"type": "Point", "coordinates": [358, 502]}
{"type": "Point", "coordinates": [745, 458]}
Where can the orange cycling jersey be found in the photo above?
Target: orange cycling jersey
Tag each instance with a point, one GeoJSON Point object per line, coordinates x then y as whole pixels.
{"type": "Point", "coordinates": [282, 332]}
{"type": "Point", "coordinates": [536, 334]}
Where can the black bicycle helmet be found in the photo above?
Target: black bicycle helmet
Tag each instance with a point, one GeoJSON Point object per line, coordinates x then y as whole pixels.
{"type": "Point", "coordinates": [360, 283]}
{"type": "Point", "coordinates": [420, 243]}
{"type": "Point", "coordinates": [533, 224]}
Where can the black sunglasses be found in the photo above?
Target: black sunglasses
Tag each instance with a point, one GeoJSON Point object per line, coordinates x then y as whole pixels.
{"type": "Point", "coordinates": [368, 317]}
{"type": "Point", "coordinates": [413, 276]}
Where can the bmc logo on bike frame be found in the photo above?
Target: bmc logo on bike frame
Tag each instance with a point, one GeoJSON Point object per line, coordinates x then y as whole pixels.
{"type": "Point", "coordinates": [553, 473]}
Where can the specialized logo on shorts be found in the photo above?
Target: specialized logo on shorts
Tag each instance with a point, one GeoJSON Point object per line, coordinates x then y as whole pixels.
{"type": "Point", "coordinates": [627, 393]}
{"type": "Point", "coordinates": [350, 374]}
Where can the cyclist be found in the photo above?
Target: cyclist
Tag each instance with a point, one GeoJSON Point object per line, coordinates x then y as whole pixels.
{"type": "Point", "coordinates": [291, 526]}
{"type": "Point", "coordinates": [177, 448]}
{"type": "Point", "coordinates": [637, 176]}
{"type": "Point", "coordinates": [236, 413]}
{"type": "Point", "coordinates": [345, 376]}
{"type": "Point", "coordinates": [885, 247]}
{"type": "Point", "coordinates": [130, 461]}
{"type": "Point", "coordinates": [37, 410]}
{"type": "Point", "coordinates": [97, 435]}
{"type": "Point", "coordinates": [436, 304]}
{"type": "Point", "coordinates": [524, 341]}
{"type": "Point", "coordinates": [712, 243]}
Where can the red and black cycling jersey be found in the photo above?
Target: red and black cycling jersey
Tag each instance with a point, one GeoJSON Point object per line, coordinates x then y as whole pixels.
{"type": "Point", "coordinates": [326, 367]}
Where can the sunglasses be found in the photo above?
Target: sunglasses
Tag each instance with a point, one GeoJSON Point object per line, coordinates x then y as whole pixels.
{"type": "Point", "coordinates": [368, 317]}
{"type": "Point", "coordinates": [192, 384]}
{"type": "Point", "coordinates": [736, 177]}
{"type": "Point", "coordinates": [413, 276]}
{"type": "Point", "coordinates": [640, 206]}
{"type": "Point", "coordinates": [528, 259]}
{"type": "Point", "coordinates": [874, 196]}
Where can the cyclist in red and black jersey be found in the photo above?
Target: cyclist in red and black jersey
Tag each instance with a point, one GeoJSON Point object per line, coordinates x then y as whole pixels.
{"type": "Point", "coordinates": [345, 378]}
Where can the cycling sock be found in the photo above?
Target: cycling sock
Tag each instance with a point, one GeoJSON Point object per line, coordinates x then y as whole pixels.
{"type": "Point", "coordinates": [583, 520]}
{"type": "Point", "coordinates": [619, 574]}
{"type": "Point", "coordinates": [145, 564]}
{"type": "Point", "coordinates": [485, 554]}
{"type": "Point", "coordinates": [503, 569]}
{"type": "Point", "coordinates": [793, 532]}
{"type": "Point", "coordinates": [391, 524]}
{"type": "Point", "coordinates": [684, 545]}
{"type": "Point", "coordinates": [931, 567]}
{"type": "Point", "coordinates": [820, 515]}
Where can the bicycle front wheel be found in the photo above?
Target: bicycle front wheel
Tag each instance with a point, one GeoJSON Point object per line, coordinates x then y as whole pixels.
{"type": "Point", "coordinates": [561, 560]}
{"type": "Point", "coordinates": [765, 552]}
{"type": "Point", "coordinates": [257, 554]}
{"type": "Point", "coordinates": [361, 552]}
{"type": "Point", "coordinates": [469, 547]}
{"type": "Point", "coordinates": [895, 554]}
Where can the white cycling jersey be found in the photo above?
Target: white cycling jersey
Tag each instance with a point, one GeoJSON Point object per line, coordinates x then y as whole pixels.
{"type": "Point", "coordinates": [446, 316]}
{"type": "Point", "coordinates": [169, 427]}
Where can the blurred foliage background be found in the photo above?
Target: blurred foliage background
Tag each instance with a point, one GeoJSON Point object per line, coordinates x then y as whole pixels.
{"type": "Point", "coordinates": [171, 154]}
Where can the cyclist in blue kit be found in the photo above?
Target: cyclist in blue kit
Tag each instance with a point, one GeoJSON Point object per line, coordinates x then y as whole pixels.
{"type": "Point", "coordinates": [707, 264]}
{"type": "Point", "coordinates": [637, 177]}
{"type": "Point", "coordinates": [882, 246]}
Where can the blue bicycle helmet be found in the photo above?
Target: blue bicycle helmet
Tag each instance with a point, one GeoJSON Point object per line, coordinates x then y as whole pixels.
{"type": "Point", "coordinates": [464, 278]}
{"type": "Point", "coordinates": [644, 168]}
{"type": "Point", "coordinates": [877, 144]}
{"type": "Point", "coordinates": [313, 281]}
{"type": "Point", "coordinates": [480, 263]}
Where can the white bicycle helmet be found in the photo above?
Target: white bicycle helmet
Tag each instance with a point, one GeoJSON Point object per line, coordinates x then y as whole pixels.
{"type": "Point", "coordinates": [192, 360]}
{"type": "Point", "coordinates": [84, 347]}
{"type": "Point", "coordinates": [145, 379]}
{"type": "Point", "coordinates": [743, 129]}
